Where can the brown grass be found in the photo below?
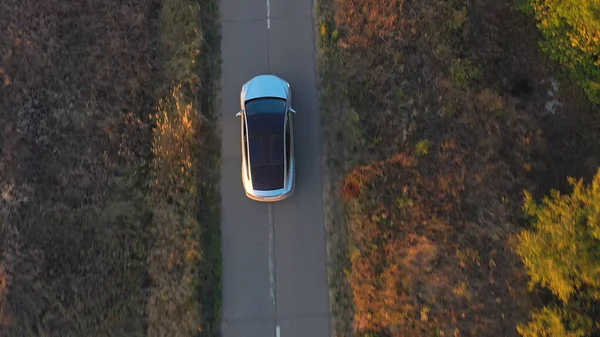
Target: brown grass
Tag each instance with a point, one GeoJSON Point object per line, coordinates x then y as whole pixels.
{"type": "Point", "coordinates": [80, 204]}
{"type": "Point", "coordinates": [434, 121]}
{"type": "Point", "coordinates": [417, 265]}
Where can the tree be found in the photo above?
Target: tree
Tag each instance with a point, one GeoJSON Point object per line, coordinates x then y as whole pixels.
{"type": "Point", "coordinates": [550, 322]}
{"type": "Point", "coordinates": [562, 253]}
{"type": "Point", "coordinates": [571, 30]}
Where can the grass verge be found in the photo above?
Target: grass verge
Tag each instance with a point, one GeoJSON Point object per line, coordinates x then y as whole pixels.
{"type": "Point", "coordinates": [436, 115]}
{"type": "Point", "coordinates": [185, 258]}
{"type": "Point", "coordinates": [109, 214]}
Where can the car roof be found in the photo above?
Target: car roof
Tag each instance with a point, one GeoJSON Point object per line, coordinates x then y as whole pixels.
{"type": "Point", "coordinates": [265, 118]}
{"type": "Point", "coordinates": [266, 150]}
{"type": "Point", "coordinates": [267, 161]}
{"type": "Point", "coordinates": [265, 124]}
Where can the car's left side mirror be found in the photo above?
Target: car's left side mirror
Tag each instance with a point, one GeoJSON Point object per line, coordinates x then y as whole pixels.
{"type": "Point", "coordinates": [293, 111]}
{"type": "Point", "coordinates": [239, 113]}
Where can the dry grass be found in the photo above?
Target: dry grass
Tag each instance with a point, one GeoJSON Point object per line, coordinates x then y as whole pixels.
{"type": "Point", "coordinates": [184, 262]}
{"type": "Point", "coordinates": [82, 185]}
{"type": "Point", "coordinates": [420, 246]}
{"type": "Point", "coordinates": [418, 266]}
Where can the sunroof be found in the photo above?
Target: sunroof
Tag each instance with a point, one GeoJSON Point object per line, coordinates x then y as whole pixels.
{"type": "Point", "coordinates": [276, 142]}
{"type": "Point", "coordinates": [266, 161]}
{"type": "Point", "coordinates": [262, 124]}
{"type": "Point", "coordinates": [266, 150]}
{"type": "Point", "coordinates": [257, 153]}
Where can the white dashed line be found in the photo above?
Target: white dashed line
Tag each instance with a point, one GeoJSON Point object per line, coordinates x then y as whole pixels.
{"type": "Point", "coordinates": [277, 331]}
{"type": "Point", "coordinates": [271, 254]}
{"type": "Point", "coordinates": [268, 15]}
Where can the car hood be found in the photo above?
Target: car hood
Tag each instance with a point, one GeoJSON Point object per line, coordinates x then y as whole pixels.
{"type": "Point", "coordinates": [264, 86]}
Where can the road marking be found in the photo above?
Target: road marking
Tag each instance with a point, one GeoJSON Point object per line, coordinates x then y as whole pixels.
{"type": "Point", "coordinates": [268, 15]}
{"type": "Point", "coordinates": [271, 254]}
{"type": "Point", "coordinates": [277, 332]}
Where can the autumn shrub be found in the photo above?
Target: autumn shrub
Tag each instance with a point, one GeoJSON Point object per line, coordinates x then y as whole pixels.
{"type": "Point", "coordinates": [561, 254]}
{"type": "Point", "coordinates": [553, 321]}
{"type": "Point", "coordinates": [463, 76]}
{"type": "Point", "coordinates": [414, 269]}
{"type": "Point", "coordinates": [571, 30]}
{"type": "Point", "coordinates": [422, 147]}
{"type": "Point", "coordinates": [184, 297]}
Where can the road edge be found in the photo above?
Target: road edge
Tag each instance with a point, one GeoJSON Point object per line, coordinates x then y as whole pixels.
{"type": "Point", "coordinates": [334, 163]}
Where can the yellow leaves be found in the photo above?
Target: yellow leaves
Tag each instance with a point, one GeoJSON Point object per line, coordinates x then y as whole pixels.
{"type": "Point", "coordinates": [192, 250]}
{"type": "Point", "coordinates": [574, 42]}
{"type": "Point", "coordinates": [572, 32]}
{"type": "Point", "coordinates": [550, 321]}
{"type": "Point", "coordinates": [323, 30]}
{"type": "Point", "coordinates": [175, 146]}
{"type": "Point", "coordinates": [422, 147]}
{"type": "Point", "coordinates": [425, 314]}
{"type": "Point", "coordinates": [462, 290]}
{"type": "Point", "coordinates": [556, 251]}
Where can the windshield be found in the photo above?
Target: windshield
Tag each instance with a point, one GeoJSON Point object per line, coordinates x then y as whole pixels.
{"type": "Point", "coordinates": [265, 106]}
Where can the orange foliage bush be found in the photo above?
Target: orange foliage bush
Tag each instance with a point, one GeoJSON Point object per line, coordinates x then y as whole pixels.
{"type": "Point", "coordinates": [366, 21]}
{"type": "Point", "coordinates": [364, 174]}
{"type": "Point", "coordinates": [404, 245]}
{"type": "Point", "coordinates": [174, 146]}
{"type": "Point", "coordinates": [174, 258]}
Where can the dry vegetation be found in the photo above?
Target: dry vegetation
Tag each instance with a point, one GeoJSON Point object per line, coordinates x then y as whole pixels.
{"type": "Point", "coordinates": [108, 218]}
{"type": "Point", "coordinates": [437, 114]}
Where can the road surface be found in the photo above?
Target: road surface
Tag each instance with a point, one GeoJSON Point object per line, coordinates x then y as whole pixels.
{"type": "Point", "coordinates": [274, 260]}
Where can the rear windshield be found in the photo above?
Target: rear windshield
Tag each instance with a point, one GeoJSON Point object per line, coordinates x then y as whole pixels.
{"type": "Point", "coordinates": [265, 106]}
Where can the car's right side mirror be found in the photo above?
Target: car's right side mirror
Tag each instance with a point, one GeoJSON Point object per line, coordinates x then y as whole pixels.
{"type": "Point", "coordinates": [293, 111]}
{"type": "Point", "coordinates": [239, 113]}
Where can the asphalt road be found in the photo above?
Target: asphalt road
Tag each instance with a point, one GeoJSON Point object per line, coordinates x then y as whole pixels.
{"type": "Point", "coordinates": [274, 260]}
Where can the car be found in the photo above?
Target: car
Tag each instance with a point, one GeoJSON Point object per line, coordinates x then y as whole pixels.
{"type": "Point", "coordinates": [267, 137]}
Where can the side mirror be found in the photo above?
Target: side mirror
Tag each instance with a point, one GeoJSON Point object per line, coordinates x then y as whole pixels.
{"type": "Point", "coordinates": [239, 113]}
{"type": "Point", "coordinates": [293, 111]}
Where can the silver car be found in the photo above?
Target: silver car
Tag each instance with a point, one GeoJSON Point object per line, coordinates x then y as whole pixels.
{"type": "Point", "coordinates": [268, 163]}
